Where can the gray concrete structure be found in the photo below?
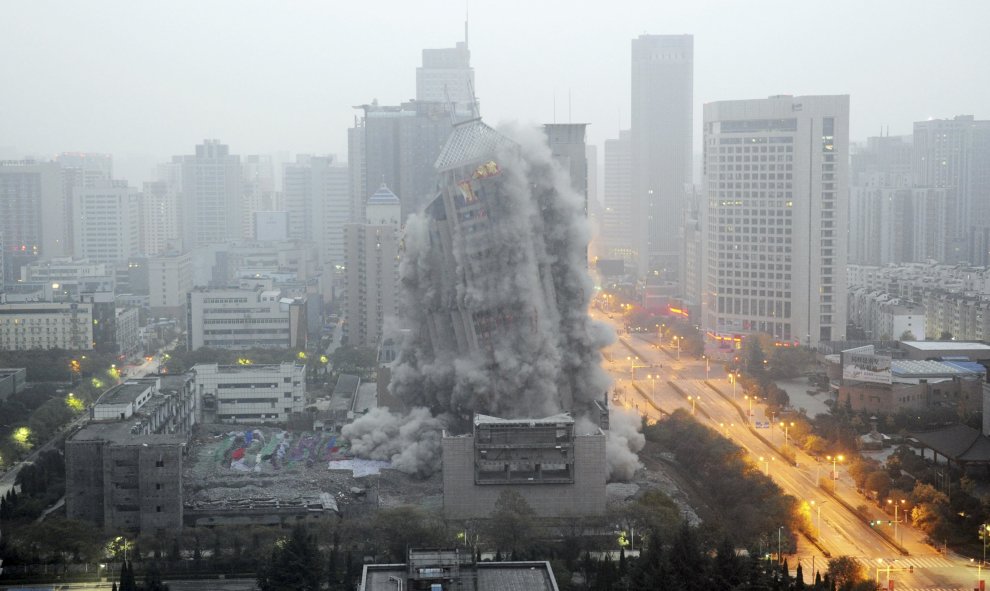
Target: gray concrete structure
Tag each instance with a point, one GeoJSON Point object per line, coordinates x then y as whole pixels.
{"type": "Point", "coordinates": [125, 474]}
{"type": "Point", "coordinates": [558, 471]}
{"type": "Point", "coordinates": [456, 569]}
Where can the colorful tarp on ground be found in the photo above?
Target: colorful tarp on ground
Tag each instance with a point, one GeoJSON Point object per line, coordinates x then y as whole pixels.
{"type": "Point", "coordinates": [254, 450]}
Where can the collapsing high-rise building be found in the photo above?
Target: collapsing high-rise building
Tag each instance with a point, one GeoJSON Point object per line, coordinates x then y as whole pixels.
{"type": "Point", "coordinates": [496, 284]}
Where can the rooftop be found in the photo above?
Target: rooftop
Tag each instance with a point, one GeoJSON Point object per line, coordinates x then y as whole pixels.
{"type": "Point", "coordinates": [563, 417]}
{"type": "Point", "coordinates": [945, 346]}
{"type": "Point", "coordinates": [124, 393]}
{"type": "Point", "coordinates": [469, 142]}
{"type": "Point", "coordinates": [119, 432]}
{"type": "Point", "coordinates": [383, 196]}
{"type": "Point", "coordinates": [483, 576]}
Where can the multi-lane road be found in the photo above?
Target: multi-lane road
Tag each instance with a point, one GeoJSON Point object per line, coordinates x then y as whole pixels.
{"type": "Point", "coordinates": [843, 532]}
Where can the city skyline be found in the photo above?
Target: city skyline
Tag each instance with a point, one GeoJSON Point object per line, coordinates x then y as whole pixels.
{"type": "Point", "coordinates": [253, 97]}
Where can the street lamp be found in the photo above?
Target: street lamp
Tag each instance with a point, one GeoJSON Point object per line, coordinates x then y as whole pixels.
{"type": "Point", "coordinates": [750, 399]}
{"type": "Point", "coordinates": [632, 367]}
{"type": "Point", "coordinates": [734, 378]}
{"type": "Point", "coordinates": [835, 473]}
{"type": "Point", "coordinates": [677, 341]}
{"type": "Point", "coordinates": [653, 386]}
{"type": "Point", "coordinates": [708, 366]}
{"type": "Point", "coordinates": [896, 520]}
{"type": "Point", "coordinates": [785, 426]}
{"type": "Point", "coordinates": [767, 462]}
{"type": "Point", "coordinates": [693, 400]}
{"type": "Point", "coordinates": [819, 506]}
{"type": "Point", "coordinates": [779, 531]}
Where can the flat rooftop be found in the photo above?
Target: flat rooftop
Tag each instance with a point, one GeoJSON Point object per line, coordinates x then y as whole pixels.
{"type": "Point", "coordinates": [123, 393]}
{"type": "Point", "coordinates": [119, 432]}
{"type": "Point", "coordinates": [936, 346]}
{"type": "Point", "coordinates": [563, 417]}
{"type": "Point", "coordinates": [483, 576]}
{"type": "Point", "coordinates": [905, 368]}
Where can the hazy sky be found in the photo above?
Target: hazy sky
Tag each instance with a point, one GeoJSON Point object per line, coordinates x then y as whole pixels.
{"type": "Point", "coordinates": [146, 80]}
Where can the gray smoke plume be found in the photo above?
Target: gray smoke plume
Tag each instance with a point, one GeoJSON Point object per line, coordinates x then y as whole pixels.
{"type": "Point", "coordinates": [411, 442]}
{"type": "Point", "coordinates": [624, 442]}
{"type": "Point", "coordinates": [521, 275]}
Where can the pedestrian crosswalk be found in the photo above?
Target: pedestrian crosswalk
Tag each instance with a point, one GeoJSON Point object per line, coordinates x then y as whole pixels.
{"type": "Point", "coordinates": [809, 565]}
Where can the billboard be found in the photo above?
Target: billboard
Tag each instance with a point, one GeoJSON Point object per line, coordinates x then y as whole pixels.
{"type": "Point", "coordinates": [864, 365]}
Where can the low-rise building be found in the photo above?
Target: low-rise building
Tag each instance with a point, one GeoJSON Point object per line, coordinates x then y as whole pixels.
{"type": "Point", "coordinates": [879, 384]}
{"type": "Point", "coordinates": [46, 325]}
{"type": "Point", "coordinates": [558, 471]}
{"type": "Point", "coordinates": [435, 568]}
{"type": "Point", "coordinates": [124, 468]}
{"type": "Point", "coordinates": [231, 318]}
{"type": "Point", "coordinates": [250, 393]}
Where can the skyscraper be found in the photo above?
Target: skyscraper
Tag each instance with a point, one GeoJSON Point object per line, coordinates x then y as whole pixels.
{"type": "Point", "coordinates": [315, 195]}
{"type": "Point", "coordinates": [32, 213]}
{"type": "Point", "coordinates": [106, 223]}
{"type": "Point", "coordinates": [776, 189]}
{"type": "Point", "coordinates": [662, 112]}
{"type": "Point", "coordinates": [372, 275]}
{"type": "Point", "coordinates": [212, 200]}
{"type": "Point", "coordinates": [955, 154]}
{"type": "Point", "coordinates": [446, 76]}
{"type": "Point", "coordinates": [617, 217]}
{"type": "Point", "coordinates": [397, 145]}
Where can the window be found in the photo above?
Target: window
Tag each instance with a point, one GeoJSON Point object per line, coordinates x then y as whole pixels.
{"type": "Point", "coordinates": [160, 463]}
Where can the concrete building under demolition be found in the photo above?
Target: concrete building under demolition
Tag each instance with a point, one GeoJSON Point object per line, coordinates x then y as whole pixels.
{"type": "Point", "coordinates": [558, 471]}
{"type": "Point", "coordinates": [123, 471]}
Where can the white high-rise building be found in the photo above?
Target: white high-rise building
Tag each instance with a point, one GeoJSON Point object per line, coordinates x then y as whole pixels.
{"type": "Point", "coordinates": [212, 204]}
{"type": "Point", "coordinates": [106, 223]}
{"type": "Point", "coordinates": [776, 187]}
{"type": "Point", "coordinates": [661, 127]}
{"type": "Point", "coordinates": [259, 189]}
{"type": "Point", "coordinates": [316, 196]}
{"type": "Point", "coordinates": [372, 275]}
{"type": "Point", "coordinates": [617, 217]}
{"type": "Point", "coordinates": [159, 223]}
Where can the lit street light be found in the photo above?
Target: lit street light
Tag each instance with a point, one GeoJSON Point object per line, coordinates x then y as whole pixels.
{"type": "Point", "coordinates": [785, 426]}
{"type": "Point", "coordinates": [819, 506]}
{"type": "Point", "coordinates": [677, 341]}
{"type": "Point", "coordinates": [653, 386]}
{"type": "Point", "coordinates": [896, 520]}
{"type": "Point", "coordinates": [694, 400]}
{"type": "Point", "coordinates": [835, 473]}
{"type": "Point", "coordinates": [766, 461]}
{"type": "Point", "coordinates": [750, 399]}
{"type": "Point", "coordinates": [708, 366]}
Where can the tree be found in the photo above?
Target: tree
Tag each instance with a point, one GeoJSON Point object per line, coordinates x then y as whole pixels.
{"type": "Point", "coordinates": [295, 564]}
{"type": "Point", "coordinates": [844, 570]}
{"type": "Point", "coordinates": [907, 335]}
{"type": "Point", "coordinates": [511, 524]}
{"type": "Point", "coordinates": [127, 582]}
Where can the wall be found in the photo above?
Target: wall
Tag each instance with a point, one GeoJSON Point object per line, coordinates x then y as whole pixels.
{"type": "Point", "coordinates": [463, 499]}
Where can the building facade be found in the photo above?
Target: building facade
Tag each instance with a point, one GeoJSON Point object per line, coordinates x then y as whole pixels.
{"type": "Point", "coordinates": [33, 217]}
{"type": "Point", "coordinates": [46, 325]}
{"type": "Point", "coordinates": [230, 318]}
{"type": "Point", "coordinates": [106, 222]}
{"type": "Point", "coordinates": [170, 278]}
{"type": "Point", "coordinates": [371, 278]}
{"type": "Point", "coordinates": [617, 217]}
{"type": "Point", "coordinates": [776, 191]}
{"type": "Point", "coordinates": [212, 208]}
{"type": "Point", "coordinates": [250, 393]}
{"type": "Point", "coordinates": [124, 469]}
{"type": "Point", "coordinates": [558, 471]}
{"type": "Point", "coordinates": [446, 76]}
{"type": "Point", "coordinates": [662, 147]}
